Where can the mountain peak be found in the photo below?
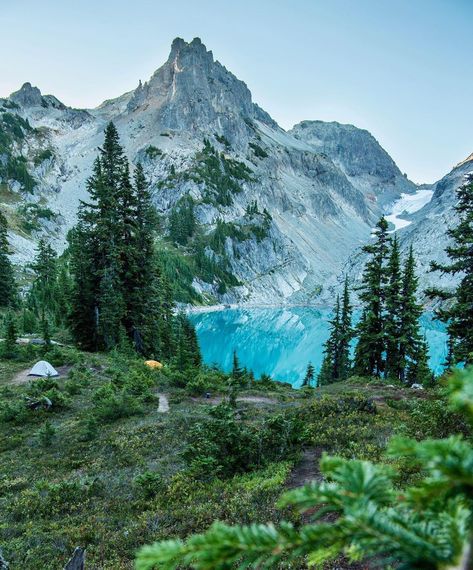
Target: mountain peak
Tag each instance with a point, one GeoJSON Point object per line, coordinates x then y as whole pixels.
{"type": "Point", "coordinates": [27, 96]}
{"type": "Point", "coordinates": [193, 92]}
{"type": "Point", "coordinates": [178, 45]}
{"type": "Point", "coordinates": [191, 53]}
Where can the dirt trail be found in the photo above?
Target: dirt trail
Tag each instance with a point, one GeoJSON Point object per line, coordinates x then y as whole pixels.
{"type": "Point", "coordinates": [23, 378]}
{"type": "Point", "coordinates": [304, 472]}
{"type": "Point", "coordinates": [307, 469]}
{"type": "Point", "coordinates": [163, 407]}
{"type": "Point", "coordinates": [253, 399]}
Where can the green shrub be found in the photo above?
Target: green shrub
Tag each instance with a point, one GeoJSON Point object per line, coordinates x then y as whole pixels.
{"type": "Point", "coordinates": [139, 384]}
{"type": "Point", "coordinates": [59, 400]}
{"type": "Point", "coordinates": [258, 151]}
{"type": "Point", "coordinates": [48, 500]}
{"type": "Point", "coordinates": [206, 381]}
{"type": "Point", "coordinates": [46, 434]}
{"type": "Point", "coordinates": [224, 445]}
{"type": "Point", "coordinates": [15, 412]}
{"type": "Point", "coordinates": [149, 484]}
{"type": "Point", "coordinates": [152, 151]}
{"type": "Point", "coordinates": [222, 140]}
{"type": "Point", "coordinates": [32, 214]}
{"type": "Point", "coordinates": [61, 356]}
{"type": "Point", "coordinates": [88, 428]}
{"type": "Point", "coordinates": [39, 386]}
{"type": "Point", "coordinates": [43, 155]}
{"type": "Point", "coordinates": [433, 419]}
{"type": "Point", "coordinates": [346, 425]}
{"type": "Point", "coordinates": [111, 404]}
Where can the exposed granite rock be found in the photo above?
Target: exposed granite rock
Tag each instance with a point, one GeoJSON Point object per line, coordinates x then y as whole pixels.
{"type": "Point", "coordinates": [359, 155]}
{"type": "Point", "coordinates": [27, 96]}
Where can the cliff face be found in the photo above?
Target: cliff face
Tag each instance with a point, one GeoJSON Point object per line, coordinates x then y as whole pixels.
{"type": "Point", "coordinates": [427, 231]}
{"type": "Point", "coordinates": [323, 184]}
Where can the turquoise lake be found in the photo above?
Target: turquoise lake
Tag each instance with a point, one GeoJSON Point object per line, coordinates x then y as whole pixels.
{"type": "Point", "coordinates": [281, 341]}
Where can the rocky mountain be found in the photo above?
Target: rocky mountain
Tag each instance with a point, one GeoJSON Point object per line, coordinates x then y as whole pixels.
{"type": "Point", "coordinates": [421, 219]}
{"type": "Point", "coordinates": [360, 157]}
{"type": "Point", "coordinates": [295, 205]}
{"type": "Point", "coordinates": [428, 227]}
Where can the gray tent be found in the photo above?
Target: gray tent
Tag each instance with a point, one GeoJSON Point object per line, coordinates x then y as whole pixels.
{"type": "Point", "coordinates": [43, 369]}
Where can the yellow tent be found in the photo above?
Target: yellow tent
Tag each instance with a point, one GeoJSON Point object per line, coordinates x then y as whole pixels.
{"type": "Point", "coordinates": [153, 364]}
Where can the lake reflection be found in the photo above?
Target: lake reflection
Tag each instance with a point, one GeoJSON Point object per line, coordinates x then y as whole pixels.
{"type": "Point", "coordinates": [281, 341]}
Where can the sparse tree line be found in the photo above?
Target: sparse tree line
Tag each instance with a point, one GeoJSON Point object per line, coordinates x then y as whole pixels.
{"type": "Point", "coordinates": [388, 336]}
{"type": "Point", "coordinates": [389, 340]}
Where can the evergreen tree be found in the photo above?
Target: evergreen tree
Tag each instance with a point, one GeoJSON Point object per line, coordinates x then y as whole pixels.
{"type": "Point", "coordinates": [28, 321]}
{"type": "Point", "coordinates": [182, 222]}
{"type": "Point", "coordinates": [418, 371]}
{"type": "Point", "coordinates": [142, 281]}
{"type": "Point", "coordinates": [43, 296]}
{"type": "Point", "coordinates": [413, 350]}
{"type": "Point", "coordinates": [458, 314]}
{"type": "Point", "coordinates": [46, 331]}
{"type": "Point", "coordinates": [330, 370]}
{"type": "Point", "coordinates": [370, 350]}
{"type": "Point", "coordinates": [117, 286]}
{"type": "Point", "coordinates": [111, 313]}
{"type": "Point", "coordinates": [192, 343]}
{"type": "Point", "coordinates": [8, 290]}
{"type": "Point", "coordinates": [187, 349]}
{"type": "Point", "coordinates": [392, 330]}
{"type": "Point", "coordinates": [166, 331]}
{"type": "Point", "coordinates": [83, 316]}
{"type": "Point", "coordinates": [64, 289]}
{"type": "Point", "coordinates": [237, 370]}
{"type": "Point", "coordinates": [11, 335]}
{"type": "Point", "coordinates": [345, 335]}
{"type": "Point", "coordinates": [309, 375]}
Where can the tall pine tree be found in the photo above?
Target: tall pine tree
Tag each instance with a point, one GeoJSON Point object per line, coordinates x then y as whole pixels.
{"type": "Point", "coordinates": [369, 352]}
{"type": "Point", "coordinates": [392, 326]}
{"type": "Point", "coordinates": [329, 371]}
{"type": "Point", "coordinates": [8, 290]}
{"type": "Point", "coordinates": [336, 364]}
{"type": "Point", "coordinates": [309, 376]}
{"type": "Point", "coordinates": [44, 294]}
{"type": "Point", "coordinates": [458, 313]}
{"type": "Point", "coordinates": [345, 335]}
{"type": "Point", "coordinates": [112, 257]}
{"type": "Point", "coordinates": [412, 348]}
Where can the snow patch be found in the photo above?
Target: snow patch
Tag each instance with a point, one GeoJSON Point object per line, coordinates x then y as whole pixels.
{"type": "Point", "coordinates": [408, 204]}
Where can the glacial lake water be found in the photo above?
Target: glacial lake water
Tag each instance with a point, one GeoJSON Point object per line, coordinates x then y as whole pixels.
{"type": "Point", "coordinates": [281, 341]}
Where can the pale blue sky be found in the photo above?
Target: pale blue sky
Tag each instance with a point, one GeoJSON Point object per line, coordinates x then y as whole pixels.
{"type": "Point", "coordinates": [401, 68]}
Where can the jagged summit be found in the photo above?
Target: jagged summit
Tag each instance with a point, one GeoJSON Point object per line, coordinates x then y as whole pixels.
{"type": "Point", "coordinates": [178, 45]}
{"type": "Point", "coordinates": [191, 92]}
{"type": "Point", "coordinates": [27, 96]}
